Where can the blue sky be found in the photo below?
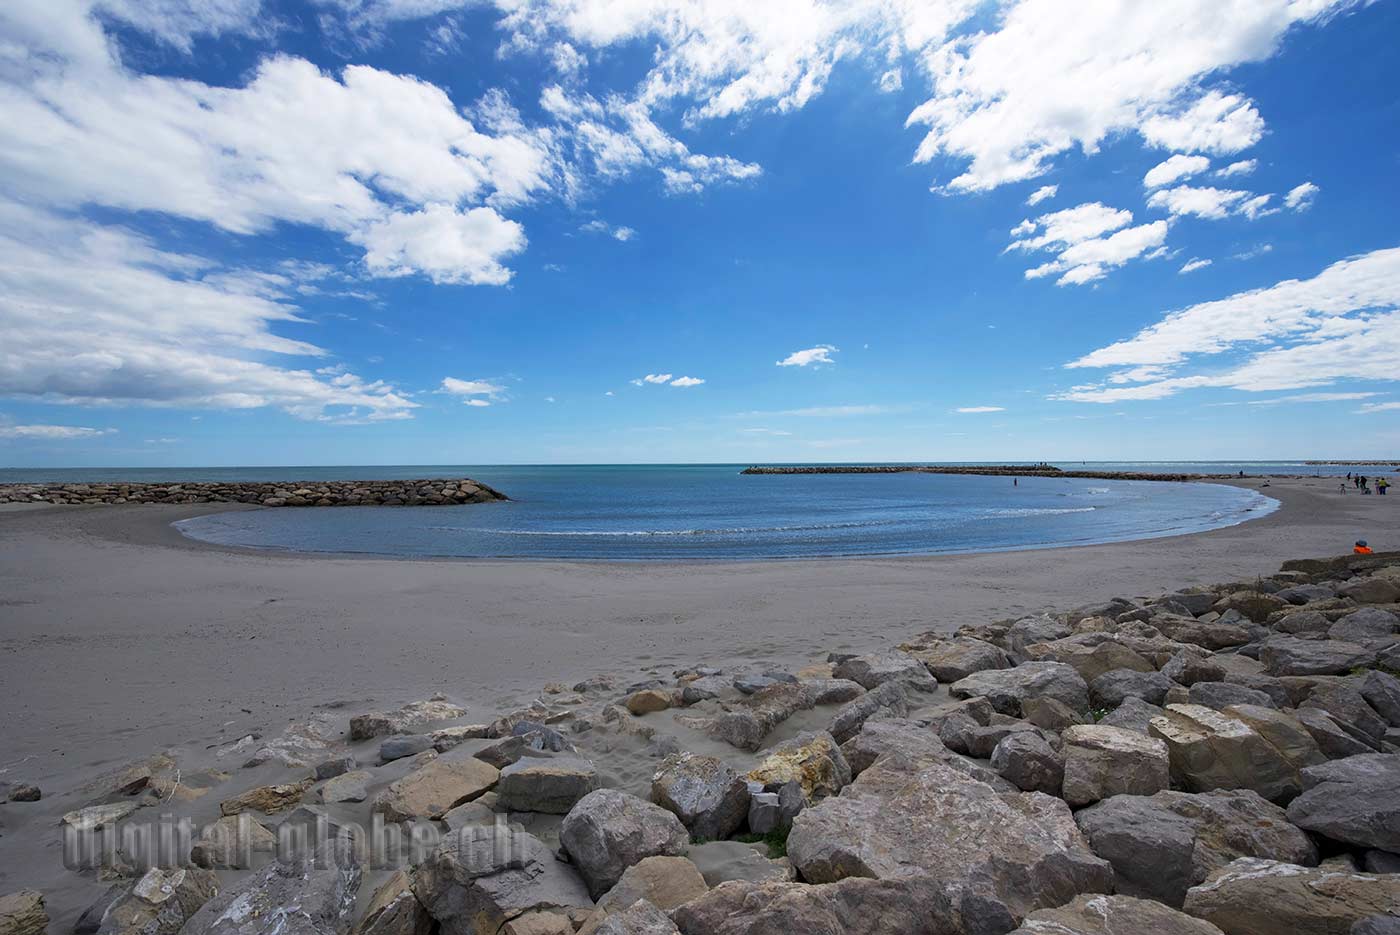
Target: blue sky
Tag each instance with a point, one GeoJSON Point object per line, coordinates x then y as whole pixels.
{"type": "Point", "coordinates": [438, 231]}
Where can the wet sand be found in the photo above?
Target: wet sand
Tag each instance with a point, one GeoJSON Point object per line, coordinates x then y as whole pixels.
{"type": "Point", "coordinates": [120, 636]}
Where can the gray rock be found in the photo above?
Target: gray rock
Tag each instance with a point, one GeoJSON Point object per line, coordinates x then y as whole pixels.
{"type": "Point", "coordinates": [609, 831]}
{"type": "Point", "coordinates": [910, 739]}
{"type": "Point", "coordinates": [703, 689]}
{"type": "Point", "coordinates": [1304, 622]}
{"type": "Point", "coordinates": [1049, 714]}
{"type": "Point", "coordinates": [1006, 688]}
{"type": "Point", "coordinates": [1371, 590]}
{"type": "Point", "coordinates": [1162, 845]}
{"type": "Point", "coordinates": [1219, 695]}
{"type": "Point", "coordinates": [1303, 593]}
{"type": "Point", "coordinates": [1105, 761]}
{"type": "Point", "coordinates": [394, 910]}
{"type": "Point", "coordinates": [1030, 631]}
{"type": "Point", "coordinates": [328, 769]}
{"type": "Point", "coordinates": [1287, 655]}
{"type": "Point", "coordinates": [981, 741]}
{"type": "Point", "coordinates": [1113, 915]}
{"type": "Point", "coordinates": [235, 841]}
{"type": "Point", "coordinates": [1377, 925]}
{"type": "Point", "coordinates": [765, 812]}
{"type": "Point", "coordinates": [1133, 714]}
{"type": "Point", "coordinates": [160, 902]}
{"type": "Point", "coordinates": [1352, 800]}
{"type": "Point", "coordinates": [1375, 861]}
{"type": "Point", "coordinates": [951, 660]}
{"type": "Point", "coordinates": [704, 792]}
{"type": "Point", "coordinates": [748, 684]}
{"type": "Point", "coordinates": [998, 856]}
{"type": "Point", "coordinates": [1028, 762]}
{"type": "Point", "coordinates": [1382, 692]}
{"type": "Point", "coordinates": [875, 669]}
{"type": "Point", "coordinates": [541, 736]}
{"type": "Point", "coordinates": [1263, 897]}
{"type": "Point", "coordinates": [721, 861]}
{"type": "Point", "coordinates": [478, 880]}
{"type": "Point", "coordinates": [641, 918]}
{"type": "Point", "coordinates": [916, 906]}
{"type": "Point", "coordinates": [396, 748]}
{"type": "Point", "coordinates": [545, 784]}
{"type": "Point", "coordinates": [1349, 708]}
{"type": "Point", "coordinates": [1192, 665]}
{"type": "Point", "coordinates": [1210, 750]}
{"type": "Point", "coordinates": [890, 698]}
{"type": "Point", "coordinates": [347, 787]}
{"type": "Point", "coordinates": [88, 923]}
{"type": "Point", "coordinates": [1112, 688]}
{"type": "Point", "coordinates": [311, 896]}
{"type": "Point", "coordinates": [1285, 733]}
{"type": "Point", "coordinates": [1195, 602]}
{"type": "Point", "coordinates": [1334, 742]}
{"type": "Point", "coordinates": [418, 714]}
{"type": "Point", "coordinates": [1368, 623]}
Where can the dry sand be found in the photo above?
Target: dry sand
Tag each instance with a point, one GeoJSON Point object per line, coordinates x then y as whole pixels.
{"type": "Point", "coordinates": [120, 638]}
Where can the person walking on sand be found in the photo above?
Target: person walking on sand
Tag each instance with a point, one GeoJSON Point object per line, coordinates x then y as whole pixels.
{"type": "Point", "coordinates": [1382, 485]}
{"type": "Point", "coordinates": [1361, 548]}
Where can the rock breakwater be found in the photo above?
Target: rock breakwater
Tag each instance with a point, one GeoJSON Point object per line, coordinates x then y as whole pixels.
{"type": "Point", "coordinates": [435, 492]}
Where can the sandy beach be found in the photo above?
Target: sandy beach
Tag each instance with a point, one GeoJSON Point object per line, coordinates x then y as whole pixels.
{"type": "Point", "coordinates": [122, 636]}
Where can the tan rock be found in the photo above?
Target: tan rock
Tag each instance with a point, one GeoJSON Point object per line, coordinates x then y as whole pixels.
{"type": "Point", "coordinates": [267, 799]}
{"type": "Point", "coordinates": [539, 923]}
{"type": "Point", "coordinates": [1251, 896]}
{"type": "Point", "coordinates": [160, 902]}
{"type": "Point", "coordinates": [1284, 732]}
{"type": "Point", "coordinates": [1211, 750]}
{"type": "Point", "coordinates": [813, 759]}
{"type": "Point", "coordinates": [665, 882]}
{"type": "Point", "coordinates": [233, 841]}
{"type": "Point", "coordinates": [1113, 915]}
{"type": "Point", "coordinates": [23, 913]}
{"type": "Point", "coordinates": [648, 701]}
{"type": "Point", "coordinates": [98, 816]}
{"type": "Point", "coordinates": [435, 789]}
{"type": "Point", "coordinates": [394, 910]}
{"type": "Point", "coordinates": [1103, 761]}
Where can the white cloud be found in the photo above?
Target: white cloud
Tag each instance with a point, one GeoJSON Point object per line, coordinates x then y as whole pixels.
{"type": "Point", "coordinates": [1311, 398]}
{"type": "Point", "coordinates": [821, 412]}
{"type": "Point", "coordinates": [1243, 167]}
{"type": "Point", "coordinates": [976, 409]}
{"type": "Point", "coordinates": [1076, 236]}
{"type": "Point", "coordinates": [52, 432]}
{"type": "Point", "coordinates": [1194, 264]}
{"type": "Point", "coordinates": [447, 245]}
{"type": "Point", "coordinates": [96, 314]}
{"type": "Point", "coordinates": [762, 431]}
{"type": "Point", "coordinates": [1210, 203]}
{"type": "Point", "coordinates": [1342, 324]}
{"type": "Point", "coordinates": [657, 378]}
{"type": "Point", "coordinates": [1041, 194]}
{"type": "Point", "coordinates": [1214, 123]}
{"type": "Point", "coordinates": [1367, 408]}
{"type": "Point", "coordinates": [821, 354]}
{"type": "Point", "coordinates": [687, 381]}
{"type": "Point", "coordinates": [478, 393]}
{"type": "Point", "coordinates": [1174, 168]}
{"type": "Point", "coordinates": [1300, 197]}
{"type": "Point", "coordinates": [603, 227]}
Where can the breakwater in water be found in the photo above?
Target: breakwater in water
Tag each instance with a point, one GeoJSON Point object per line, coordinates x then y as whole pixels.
{"type": "Point", "coordinates": [436, 492]}
{"type": "Point", "coordinates": [993, 470]}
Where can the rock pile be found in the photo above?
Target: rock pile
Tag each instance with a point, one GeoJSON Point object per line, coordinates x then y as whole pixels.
{"type": "Point", "coordinates": [435, 492]}
{"type": "Point", "coordinates": [1221, 761]}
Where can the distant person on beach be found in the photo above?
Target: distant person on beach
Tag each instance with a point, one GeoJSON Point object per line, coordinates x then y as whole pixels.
{"type": "Point", "coordinates": [1361, 548]}
{"type": "Point", "coordinates": [1342, 488]}
{"type": "Point", "coordinates": [1382, 485]}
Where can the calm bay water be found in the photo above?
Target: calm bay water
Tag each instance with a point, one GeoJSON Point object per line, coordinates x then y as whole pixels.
{"type": "Point", "coordinates": [688, 512]}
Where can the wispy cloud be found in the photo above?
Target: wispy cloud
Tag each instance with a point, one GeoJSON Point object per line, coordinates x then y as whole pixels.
{"type": "Point", "coordinates": [52, 432]}
{"type": "Point", "coordinates": [823, 411]}
{"type": "Point", "coordinates": [666, 379]}
{"type": "Point", "coordinates": [1194, 264]}
{"type": "Point", "coordinates": [476, 393]}
{"type": "Point", "coordinates": [975, 409]}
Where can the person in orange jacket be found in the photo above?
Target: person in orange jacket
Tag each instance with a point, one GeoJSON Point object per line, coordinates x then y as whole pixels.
{"type": "Point", "coordinates": [1361, 548]}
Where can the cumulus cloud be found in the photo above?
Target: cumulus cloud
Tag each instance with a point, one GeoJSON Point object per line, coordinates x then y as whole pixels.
{"type": "Point", "coordinates": [1214, 123]}
{"type": "Point", "coordinates": [1193, 264]}
{"type": "Point", "coordinates": [1089, 240]}
{"type": "Point", "coordinates": [443, 243]}
{"type": "Point", "coordinates": [687, 381]}
{"type": "Point", "coordinates": [1341, 324]}
{"type": "Point", "coordinates": [477, 393]}
{"type": "Point", "coordinates": [1174, 168]}
{"type": "Point", "coordinates": [821, 354]}
{"type": "Point", "coordinates": [1210, 203]}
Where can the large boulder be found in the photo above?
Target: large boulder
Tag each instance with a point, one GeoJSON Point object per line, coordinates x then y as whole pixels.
{"type": "Point", "coordinates": [663, 882]}
{"type": "Point", "coordinates": [609, 831]}
{"type": "Point", "coordinates": [1220, 695]}
{"type": "Point", "coordinates": [874, 669]}
{"type": "Point", "coordinates": [910, 739]}
{"type": "Point", "coordinates": [1162, 845]}
{"type": "Point", "coordinates": [1368, 623]}
{"type": "Point", "coordinates": [1285, 733]}
{"type": "Point", "coordinates": [1113, 915]}
{"type": "Point", "coordinates": [1104, 761]}
{"type": "Point", "coordinates": [160, 902]}
{"type": "Point", "coordinates": [477, 881]}
{"type": "Point", "coordinates": [545, 784]}
{"type": "Point", "coordinates": [1112, 688]}
{"type": "Point", "coordinates": [23, 913]}
{"type": "Point", "coordinates": [1133, 714]}
{"type": "Point", "coordinates": [704, 792]}
{"type": "Point", "coordinates": [394, 910]}
{"type": "Point", "coordinates": [1382, 692]}
{"type": "Point", "coordinates": [1210, 750]}
{"type": "Point", "coordinates": [1288, 655]}
{"type": "Point", "coordinates": [950, 660]}
{"type": "Point", "coordinates": [889, 700]}
{"type": "Point", "coordinates": [1007, 688]}
{"type": "Point", "coordinates": [1029, 631]}
{"type": "Point", "coordinates": [813, 760]}
{"type": "Point", "coordinates": [314, 895]}
{"type": "Point", "coordinates": [1027, 761]}
{"type": "Point", "coordinates": [1350, 709]}
{"type": "Point", "coordinates": [432, 791]}
{"type": "Point", "coordinates": [266, 799]}
{"type": "Point", "coordinates": [1091, 655]}
{"type": "Point", "coordinates": [746, 723]}
{"type": "Point", "coordinates": [1192, 665]}
{"type": "Point", "coordinates": [998, 856]}
{"type": "Point", "coordinates": [1264, 897]}
{"type": "Point", "coordinates": [1333, 739]}
{"type": "Point", "coordinates": [915, 906]}
{"type": "Point", "coordinates": [405, 720]}
{"type": "Point", "coordinates": [234, 841]}
{"type": "Point", "coordinates": [640, 918]}
{"type": "Point", "coordinates": [1375, 589]}
{"type": "Point", "coordinates": [1355, 801]}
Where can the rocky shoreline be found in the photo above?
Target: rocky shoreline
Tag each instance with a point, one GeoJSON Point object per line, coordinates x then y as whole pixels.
{"type": "Point", "coordinates": [1215, 760]}
{"type": "Point", "coordinates": [434, 492]}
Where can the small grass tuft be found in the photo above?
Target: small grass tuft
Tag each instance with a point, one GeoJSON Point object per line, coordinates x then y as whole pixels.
{"type": "Point", "coordinates": [775, 839]}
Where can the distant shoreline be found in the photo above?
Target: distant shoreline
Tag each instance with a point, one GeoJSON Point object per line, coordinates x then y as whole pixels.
{"type": "Point", "coordinates": [1004, 470]}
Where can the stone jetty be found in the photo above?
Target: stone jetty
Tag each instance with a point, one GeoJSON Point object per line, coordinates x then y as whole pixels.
{"type": "Point", "coordinates": [433, 492]}
{"type": "Point", "coordinates": [1220, 760]}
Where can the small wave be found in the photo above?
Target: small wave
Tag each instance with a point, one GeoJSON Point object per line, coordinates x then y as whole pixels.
{"type": "Point", "coordinates": [1039, 511]}
{"type": "Point", "coordinates": [733, 530]}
